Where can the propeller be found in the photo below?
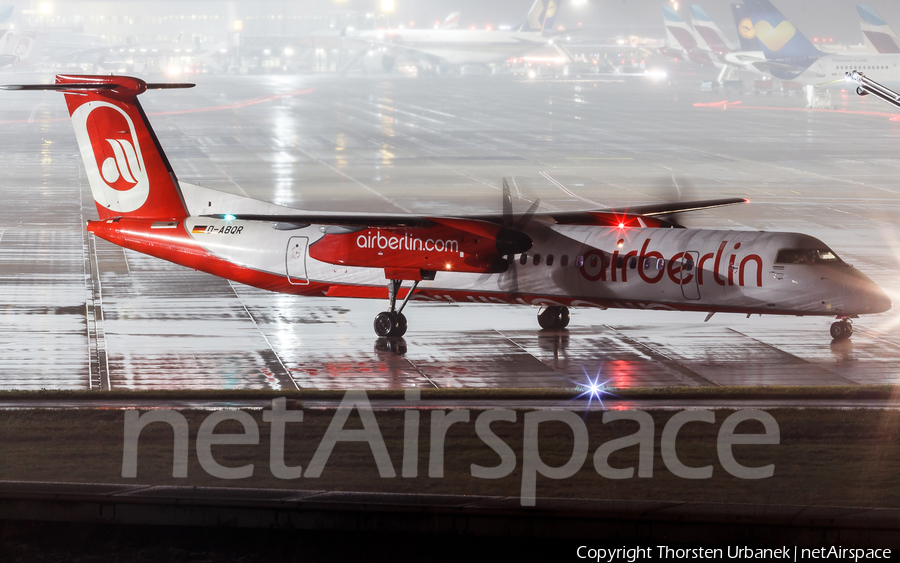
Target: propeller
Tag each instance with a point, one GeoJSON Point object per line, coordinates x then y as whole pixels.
{"type": "Point", "coordinates": [511, 239]}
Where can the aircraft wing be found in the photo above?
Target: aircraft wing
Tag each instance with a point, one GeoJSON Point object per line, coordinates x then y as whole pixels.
{"type": "Point", "coordinates": [769, 66]}
{"type": "Point", "coordinates": [419, 221]}
{"type": "Point", "coordinates": [391, 45]}
{"type": "Point", "coordinates": [668, 208]}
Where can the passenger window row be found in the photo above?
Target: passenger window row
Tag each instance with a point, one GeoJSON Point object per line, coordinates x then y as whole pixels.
{"type": "Point", "coordinates": [536, 260]}
{"type": "Point", "coordinates": [594, 261]}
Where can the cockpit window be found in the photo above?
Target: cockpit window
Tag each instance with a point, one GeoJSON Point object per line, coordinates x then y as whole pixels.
{"type": "Point", "coordinates": [806, 256]}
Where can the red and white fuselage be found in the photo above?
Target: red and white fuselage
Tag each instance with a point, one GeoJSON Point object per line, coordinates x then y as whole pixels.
{"type": "Point", "coordinates": [569, 265]}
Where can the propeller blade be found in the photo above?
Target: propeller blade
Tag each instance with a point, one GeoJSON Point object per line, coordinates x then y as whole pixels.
{"type": "Point", "coordinates": [524, 219]}
{"type": "Point", "coordinates": [507, 205]}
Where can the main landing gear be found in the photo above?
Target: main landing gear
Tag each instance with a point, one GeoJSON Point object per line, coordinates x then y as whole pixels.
{"type": "Point", "coordinates": [842, 329]}
{"type": "Point", "coordinates": [392, 323]}
{"type": "Point", "coordinates": [553, 317]}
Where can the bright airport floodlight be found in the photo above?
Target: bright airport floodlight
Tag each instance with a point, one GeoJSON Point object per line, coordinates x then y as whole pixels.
{"type": "Point", "coordinates": [46, 8]}
{"type": "Point", "coordinates": [387, 5]}
{"type": "Point", "coordinates": [237, 25]}
{"type": "Point", "coordinates": [579, 2]}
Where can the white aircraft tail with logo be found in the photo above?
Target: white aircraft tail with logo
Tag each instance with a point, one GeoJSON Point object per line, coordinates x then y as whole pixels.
{"type": "Point", "coordinates": [128, 171]}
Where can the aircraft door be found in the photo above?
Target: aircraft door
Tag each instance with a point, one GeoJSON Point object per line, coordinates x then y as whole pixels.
{"type": "Point", "coordinates": [690, 285]}
{"type": "Point", "coordinates": [295, 260]}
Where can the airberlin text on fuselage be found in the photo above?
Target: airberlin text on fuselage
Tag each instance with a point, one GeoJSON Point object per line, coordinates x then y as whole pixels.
{"type": "Point", "coordinates": [405, 242]}
{"type": "Point", "coordinates": [680, 267]}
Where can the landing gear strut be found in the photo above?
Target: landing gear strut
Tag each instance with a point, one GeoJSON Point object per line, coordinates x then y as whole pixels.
{"type": "Point", "coordinates": [392, 323]}
{"type": "Point", "coordinates": [553, 317]}
{"type": "Point", "coordinates": [842, 329]}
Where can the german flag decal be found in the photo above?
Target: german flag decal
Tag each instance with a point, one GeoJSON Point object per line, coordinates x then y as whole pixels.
{"type": "Point", "coordinates": [199, 230]}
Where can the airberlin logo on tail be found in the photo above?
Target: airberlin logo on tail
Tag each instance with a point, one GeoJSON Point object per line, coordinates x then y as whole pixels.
{"type": "Point", "coordinates": [121, 164]}
{"type": "Point", "coordinates": [112, 156]}
{"type": "Point", "coordinates": [23, 47]}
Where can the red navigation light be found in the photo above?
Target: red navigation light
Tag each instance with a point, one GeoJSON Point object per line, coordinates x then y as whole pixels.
{"type": "Point", "coordinates": [621, 225]}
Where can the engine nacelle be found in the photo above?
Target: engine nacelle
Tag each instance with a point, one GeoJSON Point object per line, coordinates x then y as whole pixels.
{"type": "Point", "coordinates": [439, 247]}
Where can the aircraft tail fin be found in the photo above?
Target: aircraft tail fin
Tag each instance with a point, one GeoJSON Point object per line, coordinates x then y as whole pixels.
{"type": "Point", "coordinates": [128, 171]}
{"type": "Point", "coordinates": [745, 29]}
{"type": "Point", "coordinates": [678, 32]}
{"type": "Point", "coordinates": [779, 39]}
{"type": "Point", "coordinates": [452, 21]}
{"type": "Point", "coordinates": [541, 16]}
{"type": "Point", "coordinates": [709, 31]}
{"type": "Point", "coordinates": [877, 34]}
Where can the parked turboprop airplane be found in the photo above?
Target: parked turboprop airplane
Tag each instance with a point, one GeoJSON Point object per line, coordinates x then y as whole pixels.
{"type": "Point", "coordinates": [624, 258]}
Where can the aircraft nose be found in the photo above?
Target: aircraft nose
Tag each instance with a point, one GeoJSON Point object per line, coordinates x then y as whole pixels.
{"type": "Point", "coordinates": [877, 301]}
{"type": "Point", "coordinates": [864, 296]}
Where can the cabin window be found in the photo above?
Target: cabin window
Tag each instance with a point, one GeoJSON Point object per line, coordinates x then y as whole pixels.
{"type": "Point", "coordinates": [594, 261]}
{"type": "Point", "coordinates": [564, 260]}
{"type": "Point", "coordinates": [537, 259]}
{"type": "Point", "coordinates": [523, 259]}
{"type": "Point", "coordinates": [606, 261]}
{"type": "Point", "coordinates": [632, 262]}
{"type": "Point", "coordinates": [688, 264]}
{"type": "Point", "coordinates": [660, 264]}
{"type": "Point", "coordinates": [579, 261]}
{"type": "Point", "coordinates": [549, 259]}
{"type": "Point", "coordinates": [620, 261]}
{"type": "Point", "coordinates": [648, 263]}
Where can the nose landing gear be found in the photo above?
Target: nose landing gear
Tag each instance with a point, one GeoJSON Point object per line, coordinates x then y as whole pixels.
{"type": "Point", "coordinates": [842, 329]}
{"type": "Point", "coordinates": [553, 317]}
{"type": "Point", "coordinates": [392, 323]}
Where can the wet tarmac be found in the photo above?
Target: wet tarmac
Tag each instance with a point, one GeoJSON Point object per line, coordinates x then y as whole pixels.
{"type": "Point", "coordinates": [82, 313]}
{"type": "Point", "coordinates": [578, 403]}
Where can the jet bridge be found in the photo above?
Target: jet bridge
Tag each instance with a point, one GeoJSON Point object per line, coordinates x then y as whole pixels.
{"type": "Point", "coordinates": [866, 86]}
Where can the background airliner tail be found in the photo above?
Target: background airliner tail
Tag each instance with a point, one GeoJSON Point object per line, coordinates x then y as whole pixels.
{"type": "Point", "coordinates": [745, 28]}
{"type": "Point", "coordinates": [452, 21]}
{"type": "Point", "coordinates": [128, 171]}
{"type": "Point", "coordinates": [541, 16]}
{"type": "Point", "coordinates": [779, 39]}
{"type": "Point", "coordinates": [678, 32]}
{"type": "Point", "coordinates": [878, 35]}
{"type": "Point", "coordinates": [709, 31]}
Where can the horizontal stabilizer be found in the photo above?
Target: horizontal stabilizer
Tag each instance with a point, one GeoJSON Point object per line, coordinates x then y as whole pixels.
{"type": "Point", "coordinates": [88, 86]}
